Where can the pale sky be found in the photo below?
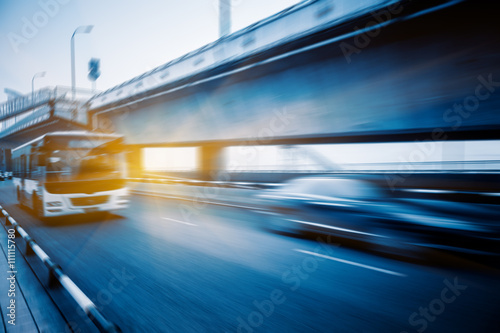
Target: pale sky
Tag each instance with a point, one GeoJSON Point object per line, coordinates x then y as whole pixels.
{"type": "Point", "coordinates": [129, 36]}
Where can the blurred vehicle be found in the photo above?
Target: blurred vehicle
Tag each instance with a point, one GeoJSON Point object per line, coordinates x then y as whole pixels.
{"type": "Point", "coordinates": [8, 174]}
{"type": "Point", "coordinates": [2, 176]}
{"type": "Point", "coordinates": [354, 210]}
{"type": "Point", "coordinates": [63, 173]}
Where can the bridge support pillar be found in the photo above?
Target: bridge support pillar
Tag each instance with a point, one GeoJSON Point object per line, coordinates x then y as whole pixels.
{"type": "Point", "coordinates": [134, 162]}
{"type": "Point", "coordinates": [210, 161]}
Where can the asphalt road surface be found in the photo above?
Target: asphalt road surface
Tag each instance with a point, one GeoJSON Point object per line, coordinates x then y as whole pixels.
{"type": "Point", "coordinates": [177, 266]}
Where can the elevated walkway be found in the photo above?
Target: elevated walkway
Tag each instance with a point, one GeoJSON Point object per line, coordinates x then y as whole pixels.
{"type": "Point", "coordinates": [26, 117]}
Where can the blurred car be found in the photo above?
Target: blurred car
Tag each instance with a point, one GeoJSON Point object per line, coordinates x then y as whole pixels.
{"type": "Point", "coordinates": [359, 211]}
{"type": "Point", "coordinates": [8, 175]}
{"type": "Point", "coordinates": [2, 176]}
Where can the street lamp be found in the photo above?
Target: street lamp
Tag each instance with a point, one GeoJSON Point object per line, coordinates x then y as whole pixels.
{"type": "Point", "coordinates": [84, 29]}
{"type": "Point", "coordinates": [39, 74]}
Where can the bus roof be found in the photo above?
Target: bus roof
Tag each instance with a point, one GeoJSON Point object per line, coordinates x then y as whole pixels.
{"type": "Point", "coordinates": [69, 133]}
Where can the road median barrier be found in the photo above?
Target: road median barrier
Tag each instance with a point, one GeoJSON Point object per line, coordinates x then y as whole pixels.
{"type": "Point", "coordinates": [57, 278]}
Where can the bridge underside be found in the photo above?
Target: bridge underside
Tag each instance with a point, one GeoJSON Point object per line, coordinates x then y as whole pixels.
{"type": "Point", "coordinates": [27, 134]}
{"type": "Point", "coordinates": [426, 76]}
{"type": "Point", "coordinates": [432, 76]}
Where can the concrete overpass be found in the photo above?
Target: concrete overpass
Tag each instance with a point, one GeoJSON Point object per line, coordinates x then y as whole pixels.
{"type": "Point", "coordinates": [321, 72]}
{"type": "Point", "coordinates": [420, 73]}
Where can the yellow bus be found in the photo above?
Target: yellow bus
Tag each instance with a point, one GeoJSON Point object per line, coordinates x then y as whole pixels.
{"type": "Point", "coordinates": [74, 172]}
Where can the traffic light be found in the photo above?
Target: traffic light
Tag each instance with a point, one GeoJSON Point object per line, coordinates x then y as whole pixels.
{"type": "Point", "coordinates": [94, 71]}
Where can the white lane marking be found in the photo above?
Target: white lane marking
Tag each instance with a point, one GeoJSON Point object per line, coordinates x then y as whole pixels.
{"type": "Point", "coordinates": [220, 203]}
{"type": "Point", "coordinates": [336, 228]}
{"type": "Point", "coordinates": [351, 263]}
{"type": "Point", "coordinates": [182, 222]}
{"type": "Point", "coordinates": [418, 190]}
{"type": "Point", "coordinates": [333, 204]}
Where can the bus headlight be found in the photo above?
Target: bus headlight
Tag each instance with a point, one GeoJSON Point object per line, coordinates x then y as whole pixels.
{"type": "Point", "coordinates": [54, 204]}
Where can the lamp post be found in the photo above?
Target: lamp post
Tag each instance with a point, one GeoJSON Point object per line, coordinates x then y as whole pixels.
{"type": "Point", "coordinates": [39, 74]}
{"type": "Point", "coordinates": [84, 29]}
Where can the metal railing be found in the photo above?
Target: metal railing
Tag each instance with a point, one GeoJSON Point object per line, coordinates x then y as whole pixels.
{"type": "Point", "coordinates": [56, 275]}
{"type": "Point", "coordinates": [24, 103]}
{"type": "Point", "coordinates": [490, 166]}
{"type": "Point", "coordinates": [25, 111]}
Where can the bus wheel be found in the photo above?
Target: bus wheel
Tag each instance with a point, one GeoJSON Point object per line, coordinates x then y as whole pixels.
{"type": "Point", "coordinates": [38, 206]}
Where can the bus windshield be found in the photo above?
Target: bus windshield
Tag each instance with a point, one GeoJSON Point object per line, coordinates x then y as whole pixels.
{"type": "Point", "coordinates": [76, 160]}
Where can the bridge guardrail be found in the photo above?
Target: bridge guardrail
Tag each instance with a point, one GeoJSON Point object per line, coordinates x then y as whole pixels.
{"type": "Point", "coordinates": [443, 194]}
{"type": "Point", "coordinates": [196, 182]}
{"type": "Point", "coordinates": [56, 274]}
{"type": "Point", "coordinates": [294, 22]}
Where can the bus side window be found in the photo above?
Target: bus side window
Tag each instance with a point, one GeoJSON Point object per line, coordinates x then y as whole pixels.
{"type": "Point", "coordinates": [23, 166]}
{"type": "Point", "coordinates": [14, 167]}
{"type": "Point", "coordinates": [33, 167]}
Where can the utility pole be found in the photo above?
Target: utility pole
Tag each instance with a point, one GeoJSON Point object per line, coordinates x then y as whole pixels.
{"type": "Point", "coordinates": [224, 17]}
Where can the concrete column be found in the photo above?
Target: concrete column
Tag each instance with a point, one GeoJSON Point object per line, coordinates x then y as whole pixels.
{"type": "Point", "coordinates": [211, 159]}
{"type": "Point", "coordinates": [134, 162]}
{"type": "Point", "coordinates": [8, 159]}
{"type": "Point", "coordinates": [3, 160]}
